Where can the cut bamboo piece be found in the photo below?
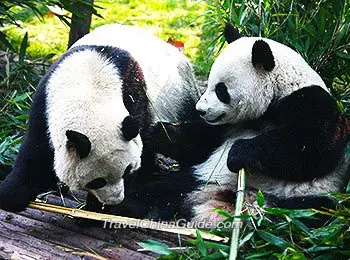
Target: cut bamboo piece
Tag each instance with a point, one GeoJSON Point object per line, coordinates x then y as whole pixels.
{"type": "Point", "coordinates": [112, 220]}
{"type": "Point", "coordinates": [238, 210]}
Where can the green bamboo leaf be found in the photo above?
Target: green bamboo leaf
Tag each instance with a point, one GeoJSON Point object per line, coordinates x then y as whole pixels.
{"type": "Point", "coordinates": [277, 241]}
{"type": "Point", "coordinates": [301, 226]}
{"type": "Point", "coordinates": [259, 255]}
{"type": "Point", "coordinates": [302, 213]}
{"type": "Point", "coordinates": [278, 211]}
{"type": "Point", "coordinates": [260, 198]}
{"type": "Point", "coordinates": [23, 49]}
{"type": "Point", "coordinates": [156, 247]}
{"type": "Point", "coordinates": [223, 213]}
{"type": "Point", "coordinates": [200, 244]}
{"type": "Point", "coordinates": [343, 55]}
{"type": "Point", "coordinates": [342, 32]}
{"type": "Point", "coordinates": [246, 238]}
{"type": "Point", "coordinates": [317, 249]}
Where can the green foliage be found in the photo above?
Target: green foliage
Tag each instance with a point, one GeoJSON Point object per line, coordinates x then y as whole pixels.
{"type": "Point", "coordinates": [276, 233]}
{"type": "Point", "coordinates": [318, 30]}
{"type": "Point", "coordinates": [18, 74]}
{"type": "Point", "coordinates": [14, 115]}
{"type": "Point", "coordinates": [9, 9]}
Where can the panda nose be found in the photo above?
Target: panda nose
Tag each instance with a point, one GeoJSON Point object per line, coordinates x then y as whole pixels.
{"type": "Point", "coordinates": [202, 112]}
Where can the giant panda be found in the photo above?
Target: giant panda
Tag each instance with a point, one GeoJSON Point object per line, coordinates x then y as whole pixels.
{"type": "Point", "coordinates": [92, 112]}
{"type": "Point", "coordinates": [271, 114]}
{"type": "Point", "coordinates": [285, 129]}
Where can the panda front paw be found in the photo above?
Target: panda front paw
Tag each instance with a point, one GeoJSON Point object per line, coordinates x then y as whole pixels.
{"type": "Point", "coordinates": [243, 154]}
{"type": "Point", "coordinates": [15, 199]}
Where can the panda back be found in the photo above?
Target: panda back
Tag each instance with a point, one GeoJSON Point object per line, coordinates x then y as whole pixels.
{"type": "Point", "coordinates": [171, 86]}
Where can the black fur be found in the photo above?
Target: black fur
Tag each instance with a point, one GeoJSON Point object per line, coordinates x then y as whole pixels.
{"type": "Point", "coordinates": [188, 142]}
{"type": "Point", "coordinates": [159, 196]}
{"type": "Point", "coordinates": [300, 138]}
{"type": "Point", "coordinates": [262, 56]}
{"type": "Point", "coordinates": [231, 33]}
{"type": "Point", "coordinates": [78, 143]}
{"type": "Point", "coordinates": [32, 172]}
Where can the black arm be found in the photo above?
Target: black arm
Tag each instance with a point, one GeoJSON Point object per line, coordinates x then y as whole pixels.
{"type": "Point", "coordinates": [188, 142]}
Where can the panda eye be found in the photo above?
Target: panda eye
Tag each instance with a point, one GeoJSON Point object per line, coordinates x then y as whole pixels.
{"type": "Point", "coordinates": [130, 128]}
{"type": "Point", "coordinates": [221, 93]}
{"type": "Point", "coordinates": [97, 183]}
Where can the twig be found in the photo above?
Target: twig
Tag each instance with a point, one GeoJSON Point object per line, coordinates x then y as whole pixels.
{"type": "Point", "coordinates": [237, 220]}
{"type": "Point", "coordinates": [114, 220]}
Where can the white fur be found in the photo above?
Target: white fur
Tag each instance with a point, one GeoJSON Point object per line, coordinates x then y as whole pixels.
{"type": "Point", "coordinates": [251, 90]}
{"type": "Point", "coordinates": [168, 74]}
{"type": "Point", "coordinates": [84, 95]}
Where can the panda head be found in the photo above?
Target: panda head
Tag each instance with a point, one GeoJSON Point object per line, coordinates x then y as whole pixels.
{"type": "Point", "coordinates": [248, 75]}
{"type": "Point", "coordinates": [101, 167]}
{"type": "Point", "coordinates": [97, 110]}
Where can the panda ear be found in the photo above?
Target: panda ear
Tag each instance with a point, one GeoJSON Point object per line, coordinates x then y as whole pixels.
{"type": "Point", "coordinates": [262, 56]}
{"type": "Point", "coordinates": [130, 127]}
{"type": "Point", "coordinates": [231, 33]}
{"type": "Point", "coordinates": [78, 142]}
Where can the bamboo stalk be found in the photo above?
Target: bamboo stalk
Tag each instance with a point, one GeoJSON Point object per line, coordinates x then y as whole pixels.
{"type": "Point", "coordinates": [238, 210]}
{"type": "Point", "coordinates": [131, 222]}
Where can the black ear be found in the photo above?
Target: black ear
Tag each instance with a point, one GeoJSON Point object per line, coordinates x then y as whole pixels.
{"type": "Point", "coordinates": [231, 33]}
{"type": "Point", "coordinates": [78, 142]}
{"type": "Point", "coordinates": [262, 55]}
{"type": "Point", "coordinates": [130, 127]}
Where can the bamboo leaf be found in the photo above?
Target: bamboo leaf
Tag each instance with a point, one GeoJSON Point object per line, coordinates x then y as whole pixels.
{"type": "Point", "coordinates": [23, 49]}
{"type": "Point", "coordinates": [200, 244]}
{"type": "Point", "coordinates": [156, 247]}
{"type": "Point", "coordinates": [275, 240]}
{"type": "Point", "coordinates": [343, 55]}
{"type": "Point", "coordinates": [260, 198]}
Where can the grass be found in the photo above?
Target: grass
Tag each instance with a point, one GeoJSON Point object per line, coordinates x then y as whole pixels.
{"type": "Point", "coordinates": [180, 20]}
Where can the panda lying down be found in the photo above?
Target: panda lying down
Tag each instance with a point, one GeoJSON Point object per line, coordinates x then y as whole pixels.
{"type": "Point", "coordinates": [268, 112]}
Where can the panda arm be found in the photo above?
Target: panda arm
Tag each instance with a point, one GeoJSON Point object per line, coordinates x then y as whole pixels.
{"type": "Point", "coordinates": [301, 138]}
{"type": "Point", "coordinates": [188, 142]}
{"type": "Point", "coordinates": [32, 172]}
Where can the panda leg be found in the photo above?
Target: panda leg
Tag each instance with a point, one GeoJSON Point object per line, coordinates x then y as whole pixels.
{"type": "Point", "coordinates": [32, 172]}
{"type": "Point", "coordinates": [204, 201]}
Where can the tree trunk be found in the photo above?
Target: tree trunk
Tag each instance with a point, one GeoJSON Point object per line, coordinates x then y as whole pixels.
{"type": "Point", "coordinates": [80, 23]}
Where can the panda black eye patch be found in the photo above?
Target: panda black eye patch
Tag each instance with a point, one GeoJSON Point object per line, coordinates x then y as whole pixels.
{"type": "Point", "coordinates": [222, 93]}
{"type": "Point", "coordinates": [97, 183]}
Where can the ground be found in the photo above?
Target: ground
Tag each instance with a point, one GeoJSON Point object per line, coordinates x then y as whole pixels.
{"type": "Point", "coordinates": [35, 234]}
